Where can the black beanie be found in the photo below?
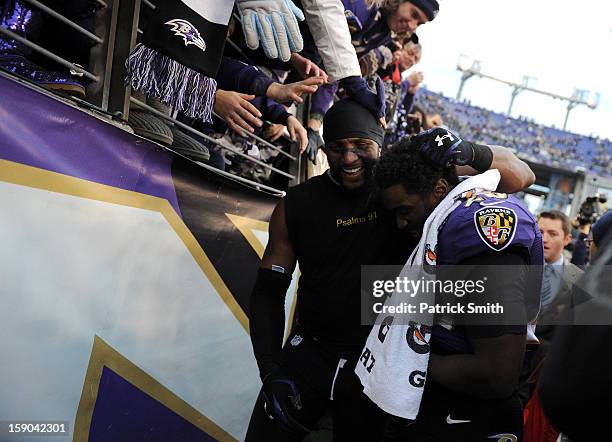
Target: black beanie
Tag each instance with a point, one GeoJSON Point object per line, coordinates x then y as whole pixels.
{"type": "Point", "coordinates": [429, 7]}
{"type": "Point", "coordinates": [349, 119]}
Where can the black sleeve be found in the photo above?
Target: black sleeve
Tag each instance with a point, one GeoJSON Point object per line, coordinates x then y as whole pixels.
{"type": "Point", "coordinates": [575, 381]}
{"type": "Point", "coordinates": [267, 318]}
{"type": "Point", "coordinates": [408, 101]}
{"type": "Point", "coordinates": [504, 277]}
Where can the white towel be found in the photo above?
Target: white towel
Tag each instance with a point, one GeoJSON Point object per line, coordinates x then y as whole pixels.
{"type": "Point", "coordinates": [392, 372]}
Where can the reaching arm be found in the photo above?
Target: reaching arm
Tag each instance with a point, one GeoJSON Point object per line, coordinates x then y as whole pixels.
{"type": "Point", "coordinates": [237, 76]}
{"type": "Point", "coordinates": [330, 31]}
{"type": "Point", "coordinates": [443, 148]}
{"type": "Point", "coordinates": [516, 175]}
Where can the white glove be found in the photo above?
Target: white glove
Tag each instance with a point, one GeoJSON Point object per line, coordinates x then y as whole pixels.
{"type": "Point", "coordinates": [274, 23]}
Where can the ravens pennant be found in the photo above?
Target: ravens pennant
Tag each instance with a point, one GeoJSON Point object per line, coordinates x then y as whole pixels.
{"type": "Point", "coordinates": [496, 226]}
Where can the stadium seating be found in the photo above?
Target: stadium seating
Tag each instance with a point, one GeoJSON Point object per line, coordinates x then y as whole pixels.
{"type": "Point", "coordinates": [537, 143]}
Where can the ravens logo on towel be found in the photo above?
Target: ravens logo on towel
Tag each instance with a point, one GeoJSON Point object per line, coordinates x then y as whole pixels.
{"type": "Point", "coordinates": [496, 226]}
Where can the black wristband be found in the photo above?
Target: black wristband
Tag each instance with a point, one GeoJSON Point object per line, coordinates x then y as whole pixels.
{"type": "Point", "coordinates": [483, 157]}
{"type": "Point", "coordinates": [479, 156]}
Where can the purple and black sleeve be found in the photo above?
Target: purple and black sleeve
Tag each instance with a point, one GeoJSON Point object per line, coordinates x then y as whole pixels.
{"type": "Point", "coordinates": [237, 76]}
{"type": "Point", "coordinates": [271, 110]}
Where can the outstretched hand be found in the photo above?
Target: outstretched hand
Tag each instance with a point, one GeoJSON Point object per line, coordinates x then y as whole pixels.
{"type": "Point", "coordinates": [237, 111]}
{"type": "Point", "coordinates": [294, 91]}
{"type": "Point", "coordinates": [306, 68]}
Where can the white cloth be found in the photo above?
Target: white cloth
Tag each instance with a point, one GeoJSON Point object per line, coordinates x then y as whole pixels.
{"type": "Point", "coordinates": [330, 31]}
{"type": "Point", "coordinates": [392, 373]}
{"type": "Point", "coordinates": [212, 10]}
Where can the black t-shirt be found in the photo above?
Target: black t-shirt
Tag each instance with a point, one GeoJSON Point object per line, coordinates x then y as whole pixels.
{"type": "Point", "coordinates": [333, 233]}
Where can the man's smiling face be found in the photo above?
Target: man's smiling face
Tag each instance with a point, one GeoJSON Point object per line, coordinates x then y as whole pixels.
{"type": "Point", "coordinates": [351, 161]}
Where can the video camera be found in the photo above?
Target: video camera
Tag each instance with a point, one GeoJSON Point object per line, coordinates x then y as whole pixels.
{"type": "Point", "coordinates": [590, 209]}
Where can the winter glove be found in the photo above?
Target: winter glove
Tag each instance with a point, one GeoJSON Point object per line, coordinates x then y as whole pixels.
{"type": "Point", "coordinates": [314, 143]}
{"type": "Point", "coordinates": [442, 148]}
{"type": "Point", "coordinates": [274, 24]}
{"type": "Point", "coordinates": [357, 89]}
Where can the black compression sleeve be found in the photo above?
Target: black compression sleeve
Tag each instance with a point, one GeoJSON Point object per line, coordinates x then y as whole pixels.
{"type": "Point", "coordinates": [267, 321]}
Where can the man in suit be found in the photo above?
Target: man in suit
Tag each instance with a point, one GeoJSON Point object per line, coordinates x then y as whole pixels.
{"type": "Point", "coordinates": [559, 274]}
{"type": "Point", "coordinates": [558, 278]}
{"type": "Point", "coordinates": [576, 373]}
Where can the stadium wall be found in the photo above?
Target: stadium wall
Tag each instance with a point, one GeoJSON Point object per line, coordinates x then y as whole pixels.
{"type": "Point", "coordinates": [126, 277]}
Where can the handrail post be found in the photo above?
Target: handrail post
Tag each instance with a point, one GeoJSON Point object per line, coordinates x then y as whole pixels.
{"type": "Point", "coordinates": [124, 41]}
{"type": "Point", "coordinates": [101, 56]}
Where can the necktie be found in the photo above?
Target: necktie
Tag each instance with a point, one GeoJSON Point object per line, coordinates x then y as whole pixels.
{"type": "Point", "coordinates": [546, 294]}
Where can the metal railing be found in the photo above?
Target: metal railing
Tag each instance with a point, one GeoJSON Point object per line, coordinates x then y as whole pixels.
{"type": "Point", "coordinates": [64, 20]}
{"type": "Point", "coordinates": [48, 54]}
{"type": "Point", "coordinates": [208, 138]}
{"type": "Point", "coordinates": [115, 35]}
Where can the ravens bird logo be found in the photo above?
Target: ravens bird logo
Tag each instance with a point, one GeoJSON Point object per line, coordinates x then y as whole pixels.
{"type": "Point", "coordinates": [191, 36]}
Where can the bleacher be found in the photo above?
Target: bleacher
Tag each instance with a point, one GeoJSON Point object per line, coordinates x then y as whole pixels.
{"type": "Point", "coordinates": [532, 141]}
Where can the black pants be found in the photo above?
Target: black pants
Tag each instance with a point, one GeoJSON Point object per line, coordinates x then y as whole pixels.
{"type": "Point", "coordinates": [446, 416]}
{"type": "Point", "coordinates": [325, 378]}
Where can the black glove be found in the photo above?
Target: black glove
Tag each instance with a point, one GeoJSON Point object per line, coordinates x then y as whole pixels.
{"type": "Point", "coordinates": [314, 143]}
{"type": "Point", "coordinates": [282, 400]}
{"type": "Point", "coordinates": [357, 88]}
{"type": "Point", "coordinates": [442, 148]}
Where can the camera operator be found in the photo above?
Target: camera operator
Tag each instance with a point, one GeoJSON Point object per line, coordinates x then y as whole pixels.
{"type": "Point", "coordinates": [590, 211]}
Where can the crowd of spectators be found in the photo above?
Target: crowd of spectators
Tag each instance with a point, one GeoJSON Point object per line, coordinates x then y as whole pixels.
{"type": "Point", "coordinates": [254, 94]}
{"type": "Point", "coordinates": [535, 142]}
{"type": "Point", "coordinates": [395, 51]}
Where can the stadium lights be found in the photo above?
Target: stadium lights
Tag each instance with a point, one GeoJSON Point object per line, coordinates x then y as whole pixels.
{"type": "Point", "coordinates": [518, 88]}
{"type": "Point", "coordinates": [472, 67]}
{"type": "Point", "coordinates": [593, 100]}
{"type": "Point", "coordinates": [464, 63]}
{"type": "Point", "coordinates": [581, 96]}
{"type": "Point", "coordinates": [468, 68]}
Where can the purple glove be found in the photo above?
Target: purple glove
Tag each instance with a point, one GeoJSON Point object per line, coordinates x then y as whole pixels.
{"type": "Point", "coordinates": [357, 88]}
{"type": "Point", "coordinates": [282, 400]}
